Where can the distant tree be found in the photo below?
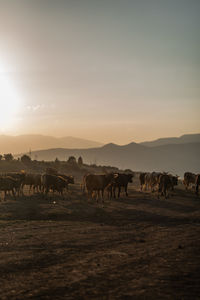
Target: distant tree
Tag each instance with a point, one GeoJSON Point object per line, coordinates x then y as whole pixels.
{"type": "Point", "coordinates": [25, 159]}
{"type": "Point", "coordinates": [8, 157]}
{"type": "Point", "coordinates": [71, 160]}
{"type": "Point", "coordinates": [80, 161]}
{"type": "Point", "coordinates": [128, 171]}
{"type": "Point", "coordinates": [57, 160]}
{"type": "Point", "coordinates": [1, 156]}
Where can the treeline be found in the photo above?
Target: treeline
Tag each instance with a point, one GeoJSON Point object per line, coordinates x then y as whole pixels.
{"type": "Point", "coordinates": [72, 165]}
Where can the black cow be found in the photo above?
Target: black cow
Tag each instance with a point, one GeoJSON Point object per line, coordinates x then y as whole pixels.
{"type": "Point", "coordinates": [120, 181]}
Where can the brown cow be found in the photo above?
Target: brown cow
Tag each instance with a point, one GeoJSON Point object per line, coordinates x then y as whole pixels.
{"type": "Point", "coordinates": [154, 180]}
{"type": "Point", "coordinates": [19, 179]}
{"type": "Point", "coordinates": [165, 183]}
{"type": "Point", "coordinates": [189, 178]}
{"type": "Point", "coordinates": [142, 180]}
{"type": "Point", "coordinates": [7, 184]}
{"type": "Point", "coordinates": [33, 181]}
{"type": "Point", "coordinates": [151, 180]}
{"type": "Point", "coordinates": [69, 178]}
{"type": "Point", "coordinates": [147, 180]}
{"type": "Point", "coordinates": [53, 182]}
{"type": "Point", "coordinates": [174, 180]}
{"type": "Point", "coordinates": [98, 183]}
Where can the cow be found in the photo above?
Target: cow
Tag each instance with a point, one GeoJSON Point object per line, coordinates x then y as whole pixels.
{"type": "Point", "coordinates": [33, 181]}
{"type": "Point", "coordinates": [174, 180]}
{"type": "Point", "coordinates": [7, 184]}
{"type": "Point", "coordinates": [189, 178]}
{"type": "Point", "coordinates": [142, 180]}
{"type": "Point", "coordinates": [53, 182]}
{"type": "Point", "coordinates": [151, 180]}
{"type": "Point", "coordinates": [69, 178]}
{"type": "Point", "coordinates": [147, 180]}
{"type": "Point", "coordinates": [197, 183]}
{"type": "Point", "coordinates": [165, 183]}
{"type": "Point", "coordinates": [154, 180]}
{"type": "Point", "coordinates": [98, 183]}
{"type": "Point", "coordinates": [19, 177]}
{"type": "Point", "coordinates": [120, 181]}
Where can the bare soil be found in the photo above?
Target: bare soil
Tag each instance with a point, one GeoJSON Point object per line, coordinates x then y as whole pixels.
{"type": "Point", "coordinates": [136, 247]}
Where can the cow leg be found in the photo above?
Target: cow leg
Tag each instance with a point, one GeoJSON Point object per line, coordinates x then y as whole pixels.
{"type": "Point", "coordinates": [102, 193]}
{"type": "Point", "coordinates": [61, 193]}
{"type": "Point", "coordinates": [165, 193]}
{"type": "Point", "coordinates": [5, 194]}
{"type": "Point", "coordinates": [119, 191]}
{"type": "Point", "coordinates": [110, 194]}
{"type": "Point", "coordinates": [22, 189]}
{"type": "Point", "coordinates": [47, 191]}
{"type": "Point", "coordinates": [89, 194]}
{"type": "Point", "coordinates": [126, 187]}
{"type": "Point", "coordinates": [197, 189]}
{"type": "Point", "coordinates": [13, 193]}
{"type": "Point", "coordinates": [30, 186]}
{"type": "Point", "coordinates": [114, 192]}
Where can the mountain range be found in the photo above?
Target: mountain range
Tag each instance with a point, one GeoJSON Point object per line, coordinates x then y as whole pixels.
{"type": "Point", "coordinates": [175, 155]}
{"type": "Point", "coordinates": [176, 158]}
{"type": "Point", "coordinates": [186, 138]}
{"type": "Point", "coordinates": [25, 143]}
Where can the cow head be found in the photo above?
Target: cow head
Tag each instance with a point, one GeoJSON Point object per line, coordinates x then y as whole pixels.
{"type": "Point", "coordinates": [111, 177]}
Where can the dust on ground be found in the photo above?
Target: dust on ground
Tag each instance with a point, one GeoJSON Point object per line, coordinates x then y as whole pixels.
{"type": "Point", "coordinates": [135, 247]}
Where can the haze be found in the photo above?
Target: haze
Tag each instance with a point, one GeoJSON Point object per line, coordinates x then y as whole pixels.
{"type": "Point", "coordinates": [111, 70]}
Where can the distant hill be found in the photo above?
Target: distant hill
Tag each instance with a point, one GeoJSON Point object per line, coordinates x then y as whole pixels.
{"type": "Point", "coordinates": [176, 158]}
{"type": "Point", "coordinates": [186, 138]}
{"type": "Point", "coordinates": [23, 143]}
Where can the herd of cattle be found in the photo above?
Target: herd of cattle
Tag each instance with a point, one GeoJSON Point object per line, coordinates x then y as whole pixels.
{"type": "Point", "coordinates": [94, 185]}
{"type": "Point", "coordinates": [14, 183]}
{"type": "Point", "coordinates": [155, 181]}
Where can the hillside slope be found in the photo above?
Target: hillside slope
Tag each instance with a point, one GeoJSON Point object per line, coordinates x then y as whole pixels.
{"type": "Point", "coordinates": [173, 158]}
{"type": "Point", "coordinates": [184, 139]}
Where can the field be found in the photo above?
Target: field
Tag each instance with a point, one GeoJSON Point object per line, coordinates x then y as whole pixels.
{"type": "Point", "coordinates": [136, 247]}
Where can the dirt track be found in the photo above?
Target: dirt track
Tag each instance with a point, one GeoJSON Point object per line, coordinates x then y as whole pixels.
{"type": "Point", "coordinates": [133, 248]}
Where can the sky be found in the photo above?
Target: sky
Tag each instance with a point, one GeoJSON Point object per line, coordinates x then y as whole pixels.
{"type": "Point", "coordinates": [110, 70]}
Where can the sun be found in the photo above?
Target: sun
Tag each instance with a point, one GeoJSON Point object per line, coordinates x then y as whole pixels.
{"type": "Point", "coordinates": [10, 103]}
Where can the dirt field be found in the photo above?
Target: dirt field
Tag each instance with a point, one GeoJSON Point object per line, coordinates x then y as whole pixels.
{"type": "Point", "coordinates": [132, 248]}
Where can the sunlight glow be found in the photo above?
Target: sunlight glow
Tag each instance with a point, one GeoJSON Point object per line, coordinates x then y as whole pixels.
{"type": "Point", "coordinates": [10, 103]}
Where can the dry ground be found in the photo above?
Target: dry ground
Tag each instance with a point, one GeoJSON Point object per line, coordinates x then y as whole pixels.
{"type": "Point", "coordinates": [132, 248]}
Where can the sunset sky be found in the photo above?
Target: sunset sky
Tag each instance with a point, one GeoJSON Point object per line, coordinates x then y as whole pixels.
{"type": "Point", "coordinates": [106, 70]}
